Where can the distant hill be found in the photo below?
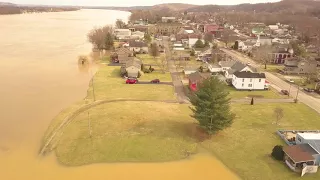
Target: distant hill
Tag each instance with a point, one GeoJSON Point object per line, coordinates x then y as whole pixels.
{"type": "Point", "coordinates": [7, 4]}
{"type": "Point", "coordinates": [292, 6]}
{"type": "Point", "coordinates": [174, 6]}
{"type": "Point", "coordinates": [168, 6]}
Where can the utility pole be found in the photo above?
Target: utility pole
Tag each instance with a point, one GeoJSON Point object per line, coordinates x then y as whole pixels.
{"type": "Point", "coordinates": [296, 100]}
{"type": "Point", "coordinates": [289, 90]}
{"type": "Point", "coordinates": [89, 125]}
{"type": "Point", "coordinates": [92, 84]}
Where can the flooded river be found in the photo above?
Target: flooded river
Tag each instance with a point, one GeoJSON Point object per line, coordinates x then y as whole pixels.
{"type": "Point", "coordinates": [39, 76]}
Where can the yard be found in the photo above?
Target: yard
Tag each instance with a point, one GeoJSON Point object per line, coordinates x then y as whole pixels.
{"type": "Point", "coordinates": [268, 94]}
{"type": "Point", "coordinates": [109, 85]}
{"type": "Point", "coordinates": [128, 132]}
{"type": "Point", "coordinates": [148, 59]}
{"type": "Point", "coordinates": [246, 147]}
{"type": "Point", "coordinates": [163, 77]}
{"type": "Point", "coordinates": [272, 68]}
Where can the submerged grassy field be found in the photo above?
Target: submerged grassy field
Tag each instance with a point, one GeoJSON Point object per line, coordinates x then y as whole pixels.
{"type": "Point", "coordinates": [246, 147]}
{"type": "Point", "coordinates": [128, 132]}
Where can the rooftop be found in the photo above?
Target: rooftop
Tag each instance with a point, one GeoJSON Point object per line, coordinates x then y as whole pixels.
{"type": "Point", "coordinates": [300, 153]}
{"type": "Point", "coordinates": [315, 136]}
{"type": "Point", "coordinates": [245, 74]}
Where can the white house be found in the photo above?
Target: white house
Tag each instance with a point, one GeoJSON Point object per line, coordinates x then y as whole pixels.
{"type": "Point", "coordinates": [138, 46]}
{"type": "Point", "coordinates": [122, 33]}
{"type": "Point", "coordinates": [237, 67]}
{"type": "Point", "coordinates": [313, 139]}
{"type": "Point", "coordinates": [273, 27]}
{"type": "Point", "coordinates": [214, 68]}
{"type": "Point", "coordinates": [168, 19]}
{"type": "Point", "coordinates": [178, 46]}
{"type": "Point", "coordinates": [137, 35]}
{"type": "Point", "coordinates": [226, 65]}
{"type": "Point", "coordinates": [249, 81]}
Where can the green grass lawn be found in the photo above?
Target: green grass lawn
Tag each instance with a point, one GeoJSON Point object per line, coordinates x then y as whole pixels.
{"type": "Point", "coordinates": [268, 94]}
{"type": "Point", "coordinates": [271, 67]}
{"type": "Point", "coordinates": [164, 77]}
{"type": "Point", "coordinates": [128, 132]}
{"type": "Point", "coordinates": [246, 146]}
{"type": "Point", "coordinates": [109, 85]}
{"type": "Point", "coordinates": [147, 59]}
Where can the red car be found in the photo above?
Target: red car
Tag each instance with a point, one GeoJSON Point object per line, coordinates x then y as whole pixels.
{"type": "Point", "coordinates": [131, 81]}
{"type": "Point", "coordinates": [155, 81]}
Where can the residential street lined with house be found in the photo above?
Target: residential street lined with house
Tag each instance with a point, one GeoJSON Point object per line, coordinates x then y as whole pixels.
{"type": "Point", "coordinates": [176, 80]}
{"type": "Point", "coordinates": [278, 83]}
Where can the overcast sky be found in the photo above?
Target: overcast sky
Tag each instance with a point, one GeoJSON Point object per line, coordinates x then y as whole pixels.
{"type": "Point", "coordinates": [132, 2]}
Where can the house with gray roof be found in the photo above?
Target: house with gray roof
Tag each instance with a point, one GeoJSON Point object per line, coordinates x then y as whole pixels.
{"type": "Point", "coordinates": [237, 67]}
{"type": "Point", "coordinates": [131, 68]}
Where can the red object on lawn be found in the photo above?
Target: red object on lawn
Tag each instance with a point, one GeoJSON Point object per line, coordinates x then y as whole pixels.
{"type": "Point", "coordinates": [131, 81]}
{"type": "Point", "coordinates": [155, 81]}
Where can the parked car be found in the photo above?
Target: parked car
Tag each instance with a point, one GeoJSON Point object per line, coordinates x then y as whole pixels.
{"type": "Point", "coordinates": [290, 81]}
{"type": "Point", "coordinates": [155, 81]}
{"type": "Point", "coordinates": [308, 90]}
{"type": "Point", "coordinates": [285, 92]}
{"type": "Point", "coordinates": [131, 81]}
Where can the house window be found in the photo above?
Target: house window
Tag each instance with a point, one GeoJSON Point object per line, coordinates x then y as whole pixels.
{"type": "Point", "coordinates": [242, 80]}
{"type": "Point", "coordinates": [250, 80]}
{"type": "Point", "coordinates": [249, 85]}
{"type": "Point", "coordinates": [259, 80]}
{"type": "Point", "coordinates": [301, 70]}
{"type": "Point", "coordinates": [242, 84]}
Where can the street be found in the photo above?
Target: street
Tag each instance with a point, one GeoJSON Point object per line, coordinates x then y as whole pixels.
{"type": "Point", "coordinates": [278, 83]}
{"type": "Point", "coordinates": [176, 80]}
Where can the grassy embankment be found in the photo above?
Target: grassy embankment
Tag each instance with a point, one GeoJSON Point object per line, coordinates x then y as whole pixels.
{"type": "Point", "coordinates": [108, 85]}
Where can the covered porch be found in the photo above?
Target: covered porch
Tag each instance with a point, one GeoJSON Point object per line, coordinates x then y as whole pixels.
{"type": "Point", "coordinates": [296, 156]}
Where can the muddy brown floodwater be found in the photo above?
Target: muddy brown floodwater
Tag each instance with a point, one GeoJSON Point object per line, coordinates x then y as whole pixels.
{"type": "Point", "coordinates": [39, 76]}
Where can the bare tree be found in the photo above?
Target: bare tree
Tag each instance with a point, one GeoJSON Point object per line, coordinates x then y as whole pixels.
{"type": "Point", "coordinates": [101, 38]}
{"type": "Point", "coordinates": [162, 63]}
{"type": "Point", "coordinates": [263, 54]}
{"type": "Point", "coordinates": [120, 24]}
{"type": "Point", "coordinates": [278, 113]}
{"type": "Point", "coordinates": [208, 37]}
{"type": "Point", "coordinates": [228, 36]}
{"type": "Point", "coordinates": [154, 50]}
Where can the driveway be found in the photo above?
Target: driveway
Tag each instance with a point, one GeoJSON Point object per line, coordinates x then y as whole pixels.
{"type": "Point", "coordinates": [148, 82]}
{"type": "Point", "coordinates": [278, 83]}
{"type": "Point", "coordinates": [176, 80]}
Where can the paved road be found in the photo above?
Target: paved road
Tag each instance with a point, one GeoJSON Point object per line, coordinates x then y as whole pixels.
{"type": "Point", "coordinates": [278, 83]}
{"type": "Point", "coordinates": [176, 79]}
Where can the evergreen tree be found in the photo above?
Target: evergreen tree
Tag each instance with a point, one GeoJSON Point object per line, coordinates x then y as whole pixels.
{"type": "Point", "coordinates": [199, 44]}
{"type": "Point", "coordinates": [252, 102]}
{"type": "Point", "coordinates": [211, 106]}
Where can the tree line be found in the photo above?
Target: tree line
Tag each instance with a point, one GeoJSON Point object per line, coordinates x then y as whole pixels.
{"type": "Point", "coordinates": [19, 10]}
